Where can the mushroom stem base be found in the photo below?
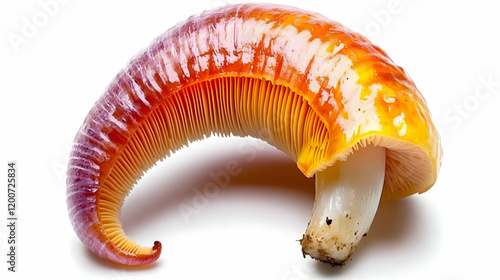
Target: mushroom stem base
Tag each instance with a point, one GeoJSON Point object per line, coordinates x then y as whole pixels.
{"type": "Point", "coordinates": [347, 198]}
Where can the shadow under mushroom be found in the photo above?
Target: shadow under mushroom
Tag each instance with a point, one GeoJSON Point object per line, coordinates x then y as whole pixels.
{"type": "Point", "coordinates": [268, 168]}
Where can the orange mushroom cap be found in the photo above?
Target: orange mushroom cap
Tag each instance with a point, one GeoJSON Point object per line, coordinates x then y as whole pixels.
{"type": "Point", "coordinates": [318, 90]}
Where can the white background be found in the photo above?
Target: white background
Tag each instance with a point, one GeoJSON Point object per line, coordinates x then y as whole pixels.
{"type": "Point", "coordinates": [249, 229]}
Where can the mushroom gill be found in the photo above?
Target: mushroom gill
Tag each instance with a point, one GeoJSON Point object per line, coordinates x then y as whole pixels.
{"type": "Point", "coordinates": [327, 97]}
{"type": "Point", "coordinates": [239, 106]}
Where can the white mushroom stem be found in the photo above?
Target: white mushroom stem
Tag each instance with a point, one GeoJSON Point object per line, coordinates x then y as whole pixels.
{"type": "Point", "coordinates": [347, 198]}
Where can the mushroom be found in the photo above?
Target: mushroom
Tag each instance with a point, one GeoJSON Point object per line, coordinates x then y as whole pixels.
{"type": "Point", "coordinates": [324, 95]}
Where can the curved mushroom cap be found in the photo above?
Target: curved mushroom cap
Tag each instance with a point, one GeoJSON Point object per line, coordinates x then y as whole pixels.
{"type": "Point", "coordinates": [332, 92]}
